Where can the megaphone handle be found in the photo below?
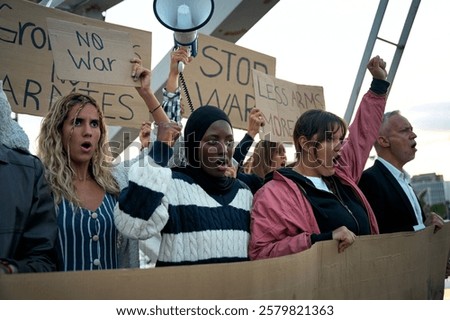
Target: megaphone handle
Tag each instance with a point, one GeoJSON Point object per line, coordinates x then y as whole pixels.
{"type": "Point", "coordinates": [180, 66]}
{"type": "Point", "coordinates": [186, 92]}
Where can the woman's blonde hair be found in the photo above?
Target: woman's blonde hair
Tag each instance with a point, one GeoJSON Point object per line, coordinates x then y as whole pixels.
{"type": "Point", "coordinates": [263, 155]}
{"type": "Point", "coordinates": [56, 160]}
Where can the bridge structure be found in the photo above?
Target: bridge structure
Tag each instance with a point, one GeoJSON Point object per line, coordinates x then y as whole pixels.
{"type": "Point", "coordinates": [231, 21]}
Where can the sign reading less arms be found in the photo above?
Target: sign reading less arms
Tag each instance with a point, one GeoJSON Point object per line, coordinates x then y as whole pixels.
{"type": "Point", "coordinates": [282, 103]}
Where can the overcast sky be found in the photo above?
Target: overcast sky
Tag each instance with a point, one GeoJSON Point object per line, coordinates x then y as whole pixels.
{"type": "Point", "coordinates": [322, 42]}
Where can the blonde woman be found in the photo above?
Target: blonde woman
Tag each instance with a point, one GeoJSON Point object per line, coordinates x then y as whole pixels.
{"type": "Point", "coordinates": [73, 148]}
{"type": "Point", "coordinates": [267, 157]}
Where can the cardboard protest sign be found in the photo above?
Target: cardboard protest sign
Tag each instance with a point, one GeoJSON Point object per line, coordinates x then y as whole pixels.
{"type": "Point", "coordinates": [28, 72]}
{"type": "Point", "coordinates": [403, 265]}
{"type": "Point", "coordinates": [91, 54]}
{"type": "Point", "coordinates": [221, 75]}
{"type": "Point", "coordinates": [282, 103]}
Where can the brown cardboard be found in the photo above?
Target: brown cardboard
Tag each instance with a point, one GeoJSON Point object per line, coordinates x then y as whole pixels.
{"type": "Point", "coordinates": [408, 265]}
{"type": "Point", "coordinates": [282, 103]}
{"type": "Point", "coordinates": [221, 75]}
{"type": "Point", "coordinates": [90, 54]}
{"type": "Point", "coordinates": [28, 71]}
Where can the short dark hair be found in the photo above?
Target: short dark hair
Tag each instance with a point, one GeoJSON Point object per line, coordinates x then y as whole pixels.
{"type": "Point", "coordinates": [317, 122]}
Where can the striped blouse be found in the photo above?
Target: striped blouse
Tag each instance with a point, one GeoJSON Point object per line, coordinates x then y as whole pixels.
{"type": "Point", "coordinates": [87, 239]}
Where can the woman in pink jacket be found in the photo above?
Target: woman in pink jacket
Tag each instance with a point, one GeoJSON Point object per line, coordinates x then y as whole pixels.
{"type": "Point", "coordinates": [318, 198]}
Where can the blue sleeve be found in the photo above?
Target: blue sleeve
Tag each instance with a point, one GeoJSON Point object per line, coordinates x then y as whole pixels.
{"type": "Point", "coordinates": [161, 152]}
{"type": "Point", "coordinates": [139, 201]}
{"type": "Point", "coordinates": [241, 149]}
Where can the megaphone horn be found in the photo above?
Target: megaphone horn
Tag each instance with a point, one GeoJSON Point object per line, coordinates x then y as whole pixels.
{"type": "Point", "coordinates": [184, 17]}
{"type": "Point", "coordinates": [193, 14]}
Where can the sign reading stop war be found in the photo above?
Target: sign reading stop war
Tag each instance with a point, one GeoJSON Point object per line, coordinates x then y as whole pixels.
{"type": "Point", "coordinates": [32, 81]}
{"type": "Point", "coordinates": [282, 103]}
{"type": "Point", "coordinates": [91, 54]}
{"type": "Point", "coordinates": [221, 76]}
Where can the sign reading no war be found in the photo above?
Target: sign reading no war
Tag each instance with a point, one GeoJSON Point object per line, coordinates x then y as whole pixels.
{"type": "Point", "coordinates": [91, 54]}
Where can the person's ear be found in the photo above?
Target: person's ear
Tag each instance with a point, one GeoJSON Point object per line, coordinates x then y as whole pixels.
{"type": "Point", "coordinates": [307, 145]}
{"type": "Point", "coordinates": [303, 143]}
{"type": "Point", "coordinates": [383, 142]}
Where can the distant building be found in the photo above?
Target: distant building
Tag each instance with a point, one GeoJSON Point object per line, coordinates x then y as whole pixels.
{"type": "Point", "coordinates": [447, 190]}
{"type": "Point", "coordinates": [434, 186]}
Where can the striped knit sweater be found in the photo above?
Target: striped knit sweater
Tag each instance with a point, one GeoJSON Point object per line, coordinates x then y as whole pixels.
{"type": "Point", "coordinates": [195, 227]}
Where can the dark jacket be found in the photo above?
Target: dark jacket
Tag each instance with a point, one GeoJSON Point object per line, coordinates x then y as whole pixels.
{"type": "Point", "coordinates": [28, 225]}
{"type": "Point", "coordinates": [391, 205]}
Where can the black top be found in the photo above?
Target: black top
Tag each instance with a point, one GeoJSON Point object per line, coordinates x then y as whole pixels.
{"type": "Point", "coordinates": [253, 181]}
{"type": "Point", "coordinates": [340, 207]}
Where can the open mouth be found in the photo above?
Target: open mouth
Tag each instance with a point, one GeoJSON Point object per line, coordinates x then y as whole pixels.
{"type": "Point", "coordinates": [336, 159]}
{"type": "Point", "coordinates": [221, 163]}
{"type": "Point", "coordinates": [86, 146]}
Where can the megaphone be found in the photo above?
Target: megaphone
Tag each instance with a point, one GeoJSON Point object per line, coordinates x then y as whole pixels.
{"type": "Point", "coordinates": [184, 17]}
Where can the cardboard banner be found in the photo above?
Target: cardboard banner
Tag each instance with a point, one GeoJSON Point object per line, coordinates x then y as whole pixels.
{"type": "Point", "coordinates": [28, 70]}
{"type": "Point", "coordinates": [404, 265]}
{"type": "Point", "coordinates": [90, 54]}
{"type": "Point", "coordinates": [282, 103]}
{"type": "Point", "coordinates": [221, 75]}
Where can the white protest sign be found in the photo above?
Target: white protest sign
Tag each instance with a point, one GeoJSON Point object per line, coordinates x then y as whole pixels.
{"type": "Point", "coordinates": [282, 103]}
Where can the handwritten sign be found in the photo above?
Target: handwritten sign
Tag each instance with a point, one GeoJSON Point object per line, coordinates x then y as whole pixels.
{"type": "Point", "coordinates": [221, 75]}
{"type": "Point", "coordinates": [282, 103]}
{"type": "Point", "coordinates": [92, 54]}
{"type": "Point", "coordinates": [28, 69]}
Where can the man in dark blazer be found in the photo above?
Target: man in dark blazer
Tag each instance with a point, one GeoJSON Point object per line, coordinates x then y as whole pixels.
{"type": "Point", "coordinates": [386, 184]}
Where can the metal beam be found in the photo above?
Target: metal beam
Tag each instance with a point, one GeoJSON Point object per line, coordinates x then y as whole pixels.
{"type": "Point", "coordinates": [400, 47]}
{"type": "Point", "coordinates": [89, 8]}
{"type": "Point", "coordinates": [366, 57]}
{"type": "Point", "coordinates": [402, 41]}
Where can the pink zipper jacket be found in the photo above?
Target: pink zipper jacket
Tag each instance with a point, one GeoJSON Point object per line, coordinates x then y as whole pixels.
{"type": "Point", "coordinates": [282, 219]}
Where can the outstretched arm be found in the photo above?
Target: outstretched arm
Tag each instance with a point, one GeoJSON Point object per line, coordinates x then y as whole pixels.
{"type": "Point", "coordinates": [255, 122]}
{"type": "Point", "coordinates": [364, 129]}
{"type": "Point", "coordinates": [144, 75]}
{"type": "Point", "coordinates": [171, 93]}
{"type": "Point", "coordinates": [176, 56]}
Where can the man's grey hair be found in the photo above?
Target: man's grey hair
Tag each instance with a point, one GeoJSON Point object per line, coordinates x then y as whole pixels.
{"type": "Point", "coordinates": [386, 117]}
{"type": "Point", "coordinates": [384, 123]}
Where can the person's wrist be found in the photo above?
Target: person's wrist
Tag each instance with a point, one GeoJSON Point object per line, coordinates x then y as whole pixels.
{"type": "Point", "coordinates": [6, 267]}
{"type": "Point", "coordinates": [154, 109]}
{"type": "Point", "coordinates": [3, 270]}
{"type": "Point", "coordinates": [379, 86]}
{"type": "Point", "coordinates": [252, 133]}
{"type": "Point", "coordinates": [145, 92]}
{"type": "Point", "coordinates": [145, 143]}
{"type": "Point", "coordinates": [174, 74]}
